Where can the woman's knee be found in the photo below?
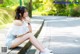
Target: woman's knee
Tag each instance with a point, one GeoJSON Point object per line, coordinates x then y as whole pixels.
{"type": "Point", "coordinates": [30, 34]}
{"type": "Point", "coordinates": [27, 36]}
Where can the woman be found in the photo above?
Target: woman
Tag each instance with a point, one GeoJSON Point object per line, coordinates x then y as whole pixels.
{"type": "Point", "coordinates": [21, 31]}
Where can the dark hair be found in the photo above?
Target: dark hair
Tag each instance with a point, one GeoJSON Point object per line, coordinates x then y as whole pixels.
{"type": "Point", "coordinates": [20, 12]}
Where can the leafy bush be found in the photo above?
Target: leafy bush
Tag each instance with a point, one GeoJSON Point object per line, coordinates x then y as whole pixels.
{"type": "Point", "coordinates": [75, 11]}
{"type": "Point", "coordinates": [5, 16]}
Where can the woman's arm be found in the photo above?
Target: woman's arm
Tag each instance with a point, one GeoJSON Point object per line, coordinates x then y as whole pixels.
{"type": "Point", "coordinates": [28, 20]}
{"type": "Point", "coordinates": [29, 26]}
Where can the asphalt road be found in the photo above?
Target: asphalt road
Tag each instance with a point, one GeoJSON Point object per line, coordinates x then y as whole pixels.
{"type": "Point", "coordinates": [62, 34]}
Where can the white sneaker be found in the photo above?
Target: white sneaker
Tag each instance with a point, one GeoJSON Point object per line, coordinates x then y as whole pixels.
{"type": "Point", "coordinates": [47, 51]}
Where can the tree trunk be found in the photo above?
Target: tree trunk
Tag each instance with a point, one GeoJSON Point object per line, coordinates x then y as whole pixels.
{"type": "Point", "coordinates": [67, 7]}
{"type": "Point", "coordinates": [30, 8]}
{"type": "Point", "coordinates": [1, 1]}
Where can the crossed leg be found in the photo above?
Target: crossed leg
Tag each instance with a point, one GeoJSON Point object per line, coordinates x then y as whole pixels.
{"type": "Point", "coordinates": [31, 38]}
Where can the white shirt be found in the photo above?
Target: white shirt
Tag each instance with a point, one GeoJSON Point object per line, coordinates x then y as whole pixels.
{"type": "Point", "coordinates": [19, 30]}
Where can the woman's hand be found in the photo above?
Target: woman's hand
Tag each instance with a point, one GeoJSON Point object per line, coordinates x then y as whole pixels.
{"type": "Point", "coordinates": [28, 20]}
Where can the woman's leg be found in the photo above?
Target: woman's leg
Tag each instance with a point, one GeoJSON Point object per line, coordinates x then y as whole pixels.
{"type": "Point", "coordinates": [35, 42]}
{"type": "Point", "coordinates": [18, 41]}
{"type": "Point", "coordinates": [32, 39]}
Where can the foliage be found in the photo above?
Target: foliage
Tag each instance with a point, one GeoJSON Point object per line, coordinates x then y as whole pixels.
{"type": "Point", "coordinates": [40, 7]}
{"type": "Point", "coordinates": [75, 11]}
{"type": "Point", "coordinates": [5, 16]}
{"type": "Point", "coordinates": [44, 7]}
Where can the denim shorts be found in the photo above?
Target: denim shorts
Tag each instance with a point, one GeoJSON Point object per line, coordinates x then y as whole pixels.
{"type": "Point", "coordinates": [10, 38]}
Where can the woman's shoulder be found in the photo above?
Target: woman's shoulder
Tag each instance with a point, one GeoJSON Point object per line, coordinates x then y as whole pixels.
{"type": "Point", "coordinates": [17, 22]}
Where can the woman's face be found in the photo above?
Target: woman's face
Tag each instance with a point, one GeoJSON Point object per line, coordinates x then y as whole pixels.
{"type": "Point", "coordinates": [25, 14]}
